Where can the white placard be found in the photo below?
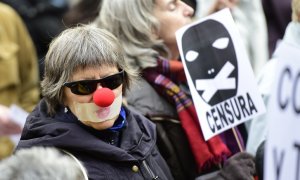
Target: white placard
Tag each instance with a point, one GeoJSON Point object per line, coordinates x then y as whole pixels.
{"type": "Point", "coordinates": [282, 152]}
{"type": "Point", "coordinates": [219, 73]}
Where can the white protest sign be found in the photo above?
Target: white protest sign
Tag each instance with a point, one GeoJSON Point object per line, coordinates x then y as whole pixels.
{"type": "Point", "coordinates": [282, 152]}
{"type": "Point", "coordinates": [219, 73]}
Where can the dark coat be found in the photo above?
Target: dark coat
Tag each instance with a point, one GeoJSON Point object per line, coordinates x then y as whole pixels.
{"type": "Point", "coordinates": [278, 15]}
{"type": "Point", "coordinates": [171, 141]}
{"type": "Point", "coordinates": [101, 159]}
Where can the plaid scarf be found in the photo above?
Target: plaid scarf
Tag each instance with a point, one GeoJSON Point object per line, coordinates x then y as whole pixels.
{"type": "Point", "coordinates": [163, 78]}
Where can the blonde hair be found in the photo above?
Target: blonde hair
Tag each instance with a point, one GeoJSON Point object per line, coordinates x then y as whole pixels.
{"type": "Point", "coordinates": [76, 49]}
{"type": "Point", "coordinates": [133, 23]}
{"type": "Point", "coordinates": [296, 10]}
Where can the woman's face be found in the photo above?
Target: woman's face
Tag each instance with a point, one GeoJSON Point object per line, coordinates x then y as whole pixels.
{"type": "Point", "coordinates": [172, 15]}
{"type": "Point", "coordinates": [71, 99]}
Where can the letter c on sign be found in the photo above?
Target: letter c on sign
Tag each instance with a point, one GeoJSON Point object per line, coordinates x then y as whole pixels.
{"type": "Point", "coordinates": [283, 102]}
{"type": "Point", "coordinates": [212, 128]}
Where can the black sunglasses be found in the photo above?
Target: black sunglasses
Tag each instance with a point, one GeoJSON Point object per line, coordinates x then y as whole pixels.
{"type": "Point", "coordinates": [86, 87]}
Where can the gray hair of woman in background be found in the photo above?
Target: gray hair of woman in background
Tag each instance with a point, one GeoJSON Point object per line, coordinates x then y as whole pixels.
{"type": "Point", "coordinates": [39, 163]}
{"type": "Point", "coordinates": [134, 24]}
{"type": "Point", "coordinates": [76, 49]}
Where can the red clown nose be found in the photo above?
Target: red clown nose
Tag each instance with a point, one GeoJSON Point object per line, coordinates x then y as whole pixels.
{"type": "Point", "coordinates": [103, 97]}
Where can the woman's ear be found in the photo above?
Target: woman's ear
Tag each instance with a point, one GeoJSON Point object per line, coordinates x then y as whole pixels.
{"type": "Point", "coordinates": [155, 33]}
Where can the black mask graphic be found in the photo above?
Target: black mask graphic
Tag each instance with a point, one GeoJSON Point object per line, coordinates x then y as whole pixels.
{"type": "Point", "coordinates": [210, 57]}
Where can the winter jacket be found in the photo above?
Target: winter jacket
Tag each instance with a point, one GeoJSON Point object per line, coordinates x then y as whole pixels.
{"type": "Point", "coordinates": [135, 156]}
{"type": "Point", "coordinates": [19, 83]}
{"type": "Point", "coordinates": [171, 139]}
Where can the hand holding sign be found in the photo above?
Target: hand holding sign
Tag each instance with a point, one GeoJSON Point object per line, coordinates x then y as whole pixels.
{"type": "Point", "coordinates": [239, 166]}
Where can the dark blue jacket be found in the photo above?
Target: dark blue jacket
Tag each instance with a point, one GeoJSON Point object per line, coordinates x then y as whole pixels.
{"type": "Point", "coordinates": [136, 157]}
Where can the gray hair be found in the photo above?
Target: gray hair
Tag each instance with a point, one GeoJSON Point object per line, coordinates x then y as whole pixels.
{"type": "Point", "coordinates": [133, 23]}
{"type": "Point", "coordinates": [39, 163]}
{"type": "Point", "coordinates": [76, 49]}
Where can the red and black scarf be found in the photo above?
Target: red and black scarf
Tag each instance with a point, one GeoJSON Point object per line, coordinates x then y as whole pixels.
{"type": "Point", "coordinates": [164, 79]}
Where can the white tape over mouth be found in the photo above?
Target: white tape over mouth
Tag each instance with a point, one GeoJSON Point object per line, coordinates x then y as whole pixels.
{"type": "Point", "coordinates": [93, 113]}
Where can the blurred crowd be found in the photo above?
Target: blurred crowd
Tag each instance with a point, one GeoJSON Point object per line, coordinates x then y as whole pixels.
{"type": "Point", "coordinates": [46, 79]}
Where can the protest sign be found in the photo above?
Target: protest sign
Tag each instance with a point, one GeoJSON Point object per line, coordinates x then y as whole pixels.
{"type": "Point", "coordinates": [282, 152]}
{"type": "Point", "coordinates": [219, 73]}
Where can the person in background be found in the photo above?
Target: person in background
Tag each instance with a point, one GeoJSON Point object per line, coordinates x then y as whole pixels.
{"type": "Point", "coordinates": [38, 163]}
{"type": "Point", "coordinates": [43, 19]}
{"type": "Point", "coordinates": [19, 82]}
{"type": "Point", "coordinates": [248, 15]}
{"type": "Point", "coordinates": [85, 80]}
{"type": "Point", "coordinates": [278, 16]}
{"type": "Point", "coordinates": [259, 126]}
{"type": "Point", "coordinates": [146, 29]}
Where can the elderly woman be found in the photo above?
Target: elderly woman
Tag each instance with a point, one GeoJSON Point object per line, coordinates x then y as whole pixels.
{"type": "Point", "coordinates": [146, 29]}
{"type": "Point", "coordinates": [82, 112]}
